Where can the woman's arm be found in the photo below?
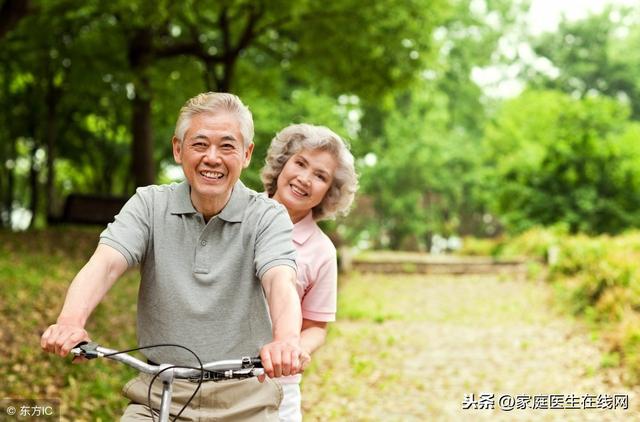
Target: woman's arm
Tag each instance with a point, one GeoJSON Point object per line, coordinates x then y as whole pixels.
{"type": "Point", "coordinates": [313, 335]}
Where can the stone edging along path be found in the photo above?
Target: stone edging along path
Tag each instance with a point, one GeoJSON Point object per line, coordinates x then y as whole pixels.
{"type": "Point", "coordinates": [417, 263]}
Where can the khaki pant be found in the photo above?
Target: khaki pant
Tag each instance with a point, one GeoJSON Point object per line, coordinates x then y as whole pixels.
{"type": "Point", "coordinates": [233, 400]}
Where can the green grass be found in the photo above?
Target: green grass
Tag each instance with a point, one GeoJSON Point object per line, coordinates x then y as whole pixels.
{"type": "Point", "coordinates": [35, 271]}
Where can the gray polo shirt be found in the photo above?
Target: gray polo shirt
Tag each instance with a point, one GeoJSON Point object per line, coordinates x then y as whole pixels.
{"type": "Point", "coordinates": [200, 283]}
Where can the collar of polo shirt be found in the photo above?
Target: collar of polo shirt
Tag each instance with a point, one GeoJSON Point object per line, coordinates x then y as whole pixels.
{"type": "Point", "coordinates": [232, 212]}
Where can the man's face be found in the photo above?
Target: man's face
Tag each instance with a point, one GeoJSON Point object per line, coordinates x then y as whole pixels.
{"type": "Point", "coordinates": [212, 155]}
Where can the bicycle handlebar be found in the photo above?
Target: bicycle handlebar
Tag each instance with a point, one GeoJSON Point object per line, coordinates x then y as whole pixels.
{"type": "Point", "coordinates": [222, 369]}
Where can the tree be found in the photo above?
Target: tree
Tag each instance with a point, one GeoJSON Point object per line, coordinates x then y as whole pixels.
{"type": "Point", "coordinates": [597, 54]}
{"type": "Point", "coordinates": [426, 142]}
{"type": "Point", "coordinates": [125, 64]}
{"type": "Point", "coordinates": [557, 159]}
{"type": "Point", "coordinates": [221, 34]}
{"type": "Point", "coordinates": [11, 12]}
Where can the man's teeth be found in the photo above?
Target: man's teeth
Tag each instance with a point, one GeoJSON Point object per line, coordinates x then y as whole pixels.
{"type": "Point", "coordinates": [212, 174]}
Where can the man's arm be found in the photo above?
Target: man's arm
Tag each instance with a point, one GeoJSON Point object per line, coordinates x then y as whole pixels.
{"type": "Point", "coordinates": [85, 292]}
{"type": "Point", "coordinates": [282, 355]}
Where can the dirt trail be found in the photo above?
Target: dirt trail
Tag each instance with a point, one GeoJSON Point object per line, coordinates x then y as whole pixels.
{"type": "Point", "coordinates": [439, 339]}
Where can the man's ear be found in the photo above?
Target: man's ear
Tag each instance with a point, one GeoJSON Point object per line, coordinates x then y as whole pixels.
{"type": "Point", "coordinates": [177, 150]}
{"type": "Point", "coordinates": [247, 155]}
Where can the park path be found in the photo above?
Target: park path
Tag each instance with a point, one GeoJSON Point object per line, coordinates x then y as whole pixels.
{"type": "Point", "coordinates": [435, 339]}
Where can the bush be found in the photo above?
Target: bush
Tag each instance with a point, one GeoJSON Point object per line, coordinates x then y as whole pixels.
{"type": "Point", "coordinates": [597, 278]}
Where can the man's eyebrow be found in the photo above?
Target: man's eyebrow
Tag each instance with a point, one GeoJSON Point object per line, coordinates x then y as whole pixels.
{"type": "Point", "coordinates": [229, 138]}
{"type": "Point", "coordinates": [198, 136]}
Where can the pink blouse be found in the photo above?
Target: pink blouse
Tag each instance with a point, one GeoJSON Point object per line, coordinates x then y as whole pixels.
{"type": "Point", "coordinates": [317, 271]}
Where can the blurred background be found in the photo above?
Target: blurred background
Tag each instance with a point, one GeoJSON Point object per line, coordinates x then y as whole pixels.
{"type": "Point", "coordinates": [467, 117]}
{"type": "Point", "coordinates": [508, 129]}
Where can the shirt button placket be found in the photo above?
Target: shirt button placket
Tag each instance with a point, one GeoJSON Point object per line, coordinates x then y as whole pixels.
{"type": "Point", "coordinates": [201, 257]}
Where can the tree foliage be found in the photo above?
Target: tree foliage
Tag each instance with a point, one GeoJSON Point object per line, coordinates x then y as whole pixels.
{"type": "Point", "coordinates": [89, 103]}
{"type": "Point", "coordinates": [96, 89]}
{"type": "Point", "coordinates": [426, 142]}
{"type": "Point", "coordinates": [556, 159]}
{"type": "Point", "coordinates": [597, 54]}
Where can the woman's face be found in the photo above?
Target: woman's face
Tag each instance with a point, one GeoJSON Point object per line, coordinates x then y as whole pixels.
{"type": "Point", "coordinates": [304, 181]}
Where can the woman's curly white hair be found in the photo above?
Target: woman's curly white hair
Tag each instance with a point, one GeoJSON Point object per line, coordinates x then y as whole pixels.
{"type": "Point", "coordinates": [298, 137]}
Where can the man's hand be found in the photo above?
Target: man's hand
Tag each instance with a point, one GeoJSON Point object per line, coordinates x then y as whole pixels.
{"type": "Point", "coordinates": [281, 358]}
{"type": "Point", "coordinates": [61, 338]}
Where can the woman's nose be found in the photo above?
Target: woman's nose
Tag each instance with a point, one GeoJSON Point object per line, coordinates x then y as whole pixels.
{"type": "Point", "coordinates": [304, 178]}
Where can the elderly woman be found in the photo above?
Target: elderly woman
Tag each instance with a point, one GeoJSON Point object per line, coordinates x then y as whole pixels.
{"type": "Point", "coordinates": [310, 171]}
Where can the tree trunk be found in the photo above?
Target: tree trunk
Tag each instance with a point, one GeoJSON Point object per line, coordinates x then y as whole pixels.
{"type": "Point", "coordinates": [11, 12]}
{"type": "Point", "coordinates": [142, 147]}
{"type": "Point", "coordinates": [6, 170]}
{"type": "Point", "coordinates": [51, 128]}
{"type": "Point", "coordinates": [210, 77]}
{"type": "Point", "coordinates": [33, 184]}
{"type": "Point", "coordinates": [227, 74]}
{"type": "Point", "coordinates": [140, 58]}
{"type": "Point", "coordinates": [10, 183]}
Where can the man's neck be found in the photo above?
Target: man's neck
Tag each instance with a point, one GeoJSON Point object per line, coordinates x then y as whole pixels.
{"type": "Point", "coordinates": [211, 207]}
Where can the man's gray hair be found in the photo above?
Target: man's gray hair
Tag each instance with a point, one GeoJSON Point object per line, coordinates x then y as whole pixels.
{"type": "Point", "coordinates": [215, 102]}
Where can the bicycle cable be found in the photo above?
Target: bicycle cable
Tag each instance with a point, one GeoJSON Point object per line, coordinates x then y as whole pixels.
{"type": "Point", "coordinates": [200, 380]}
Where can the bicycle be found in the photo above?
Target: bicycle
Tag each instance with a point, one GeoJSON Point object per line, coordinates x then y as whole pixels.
{"type": "Point", "coordinates": [245, 367]}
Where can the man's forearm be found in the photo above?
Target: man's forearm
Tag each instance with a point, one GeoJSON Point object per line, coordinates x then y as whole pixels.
{"type": "Point", "coordinates": [282, 355]}
{"type": "Point", "coordinates": [85, 292]}
{"type": "Point", "coordinates": [90, 286]}
{"type": "Point", "coordinates": [284, 304]}
{"type": "Point", "coordinates": [285, 312]}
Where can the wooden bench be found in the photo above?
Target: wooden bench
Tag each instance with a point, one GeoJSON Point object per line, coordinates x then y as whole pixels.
{"type": "Point", "coordinates": [89, 209]}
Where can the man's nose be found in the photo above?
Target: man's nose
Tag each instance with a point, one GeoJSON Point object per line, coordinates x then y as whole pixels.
{"type": "Point", "coordinates": [212, 155]}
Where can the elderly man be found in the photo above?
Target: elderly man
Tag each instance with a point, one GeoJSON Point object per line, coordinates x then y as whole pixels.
{"type": "Point", "coordinates": [217, 270]}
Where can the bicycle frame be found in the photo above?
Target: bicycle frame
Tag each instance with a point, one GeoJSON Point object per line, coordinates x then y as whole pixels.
{"type": "Point", "coordinates": [229, 369]}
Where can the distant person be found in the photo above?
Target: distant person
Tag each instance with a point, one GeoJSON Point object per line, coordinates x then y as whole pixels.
{"type": "Point", "coordinates": [311, 172]}
{"type": "Point", "coordinates": [217, 269]}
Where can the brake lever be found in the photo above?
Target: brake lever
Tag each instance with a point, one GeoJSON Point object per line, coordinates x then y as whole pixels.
{"type": "Point", "coordinates": [88, 350]}
{"type": "Point", "coordinates": [243, 373]}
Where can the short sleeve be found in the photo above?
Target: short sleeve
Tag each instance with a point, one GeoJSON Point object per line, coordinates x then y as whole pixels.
{"type": "Point", "coordinates": [130, 232]}
{"type": "Point", "coordinates": [274, 244]}
{"type": "Point", "coordinates": [319, 302]}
